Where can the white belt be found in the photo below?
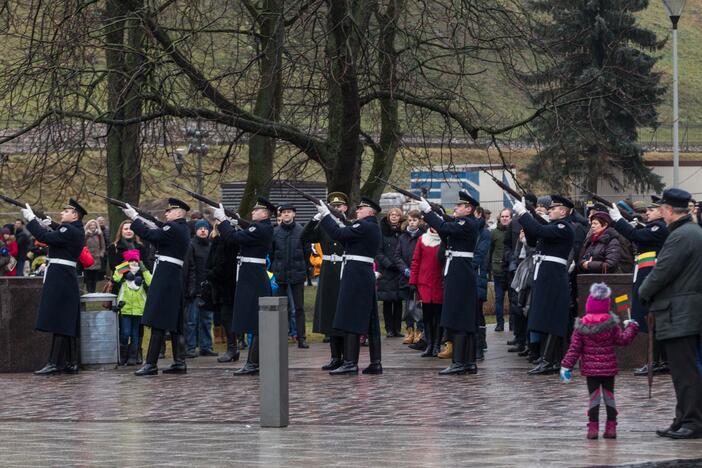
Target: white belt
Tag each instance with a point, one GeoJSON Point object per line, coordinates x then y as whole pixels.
{"type": "Point", "coordinates": [166, 258]}
{"type": "Point", "coordinates": [240, 260]}
{"type": "Point", "coordinates": [455, 253]}
{"type": "Point", "coordinates": [354, 258]}
{"type": "Point", "coordinates": [58, 261]}
{"type": "Point", "coordinates": [61, 261]}
{"type": "Point", "coordinates": [333, 258]}
{"type": "Point", "coordinates": [547, 258]}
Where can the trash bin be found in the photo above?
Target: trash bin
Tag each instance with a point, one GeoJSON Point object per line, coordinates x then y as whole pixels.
{"type": "Point", "coordinates": [99, 330]}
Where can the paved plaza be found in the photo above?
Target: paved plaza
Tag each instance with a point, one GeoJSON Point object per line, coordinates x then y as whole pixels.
{"type": "Point", "coordinates": [409, 416]}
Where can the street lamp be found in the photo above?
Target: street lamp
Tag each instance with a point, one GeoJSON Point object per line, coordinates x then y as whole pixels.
{"type": "Point", "coordinates": [674, 9]}
{"type": "Point", "coordinates": [198, 148]}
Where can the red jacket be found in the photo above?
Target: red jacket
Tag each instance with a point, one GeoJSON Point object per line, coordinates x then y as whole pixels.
{"type": "Point", "coordinates": [426, 272]}
{"type": "Point", "coordinates": [593, 342]}
{"type": "Point", "coordinates": [13, 250]}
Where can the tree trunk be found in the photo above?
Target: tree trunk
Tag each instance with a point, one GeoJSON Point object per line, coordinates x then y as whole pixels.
{"type": "Point", "coordinates": [384, 153]}
{"type": "Point", "coordinates": [123, 148]}
{"type": "Point", "coordinates": [268, 103]}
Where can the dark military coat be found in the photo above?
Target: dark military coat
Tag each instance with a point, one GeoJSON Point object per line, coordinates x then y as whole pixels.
{"type": "Point", "coordinates": [649, 238]}
{"type": "Point", "coordinates": [59, 308]}
{"type": "Point", "coordinates": [329, 278]}
{"type": "Point", "coordinates": [459, 311]}
{"type": "Point", "coordinates": [164, 301]}
{"type": "Point", "coordinates": [357, 307]}
{"type": "Point", "coordinates": [550, 296]}
{"type": "Point", "coordinates": [253, 282]}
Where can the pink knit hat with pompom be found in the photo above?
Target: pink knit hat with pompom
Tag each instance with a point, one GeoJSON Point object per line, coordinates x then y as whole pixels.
{"type": "Point", "coordinates": [599, 300]}
{"type": "Point", "coordinates": [131, 255]}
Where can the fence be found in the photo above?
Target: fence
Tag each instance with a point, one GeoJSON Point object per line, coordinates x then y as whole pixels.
{"type": "Point", "coordinates": [661, 138]}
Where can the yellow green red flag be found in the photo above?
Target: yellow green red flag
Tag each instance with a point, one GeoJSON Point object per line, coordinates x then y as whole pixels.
{"type": "Point", "coordinates": [621, 303]}
{"type": "Point", "coordinates": [122, 268]}
{"type": "Point", "coordinates": [646, 259]}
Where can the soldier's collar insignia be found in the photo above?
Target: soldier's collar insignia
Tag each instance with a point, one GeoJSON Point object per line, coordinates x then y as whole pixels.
{"type": "Point", "coordinates": [252, 228]}
{"type": "Point", "coordinates": [356, 225]}
{"type": "Point", "coordinates": [655, 228]}
{"type": "Point", "coordinates": [63, 229]}
{"type": "Point", "coordinates": [462, 222]}
{"type": "Point", "coordinates": [561, 226]}
{"type": "Point", "coordinates": [166, 227]}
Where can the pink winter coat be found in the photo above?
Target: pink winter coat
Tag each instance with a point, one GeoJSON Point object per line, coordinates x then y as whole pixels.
{"type": "Point", "coordinates": [593, 341]}
{"type": "Point", "coordinates": [426, 273]}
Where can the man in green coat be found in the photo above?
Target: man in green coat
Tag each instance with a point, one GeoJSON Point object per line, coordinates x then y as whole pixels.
{"type": "Point", "coordinates": [673, 293]}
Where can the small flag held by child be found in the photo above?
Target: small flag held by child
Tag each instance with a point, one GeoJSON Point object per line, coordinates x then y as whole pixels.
{"type": "Point", "coordinates": [621, 303]}
{"type": "Point", "coordinates": [122, 268]}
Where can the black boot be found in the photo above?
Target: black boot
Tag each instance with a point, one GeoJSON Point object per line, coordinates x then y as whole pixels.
{"type": "Point", "coordinates": [72, 358]}
{"type": "Point", "coordinates": [251, 366]}
{"type": "Point", "coordinates": [429, 337]}
{"type": "Point", "coordinates": [336, 343]}
{"type": "Point", "coordinates": [51, 366]}
{"type": "Point", "coordinates": [482, 338]}
{"type": "Point", "coordinates": [374, 349]}
{"type": "Point", "coordinates": [232, 354]}
{"type": "Point", "coordinates": [352, 348]}
{"type": "Point", "coordinates": [478, 344]}
{"type": "Point", "coordinates": [178, 346]}
{"type": "Point", "coordinates": [546, 365]}
{"type": "Point", "coordinates": [155, 343]}
{"type": "Point", "coordinates": [458, 366]}
{"type": "Point", "coordinates": [471, 348]}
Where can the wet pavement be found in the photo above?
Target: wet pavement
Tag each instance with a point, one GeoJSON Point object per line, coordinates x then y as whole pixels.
{"type": "Point", "coordinates": [409, 416]}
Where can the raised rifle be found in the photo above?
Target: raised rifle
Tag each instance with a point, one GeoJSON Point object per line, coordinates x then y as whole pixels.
{"type": "Point", "coordinates": [334, 212]}
{"type": "Point", "coordinates": [625, 214]}
{"type": "Point", "coordinates": [39, 214]}
{"type": "Point", "coordinates": [435, 207]}
{"type": "Point", "coordinates": [120, 204]}
{"type": "Point", "coordinates": [517, 196]}
{"type": "Point", "coordinates": [243, 223]}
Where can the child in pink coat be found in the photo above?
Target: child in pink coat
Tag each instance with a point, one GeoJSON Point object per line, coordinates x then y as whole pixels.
{"type": "Point", "coordinates": [594, 338]}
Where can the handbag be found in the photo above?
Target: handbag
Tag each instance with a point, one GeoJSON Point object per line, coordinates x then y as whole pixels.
{"type": "Point", "coordinates": [413, 310]}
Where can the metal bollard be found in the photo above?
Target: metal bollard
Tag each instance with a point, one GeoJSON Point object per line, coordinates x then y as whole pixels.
{"type": "Point", "coordinates": [273, 361]}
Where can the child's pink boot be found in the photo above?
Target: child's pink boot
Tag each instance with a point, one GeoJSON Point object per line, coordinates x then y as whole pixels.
{"type": "Point", "coordinates": [593, 428]}
{"type": "Point", "coordinates": [610, 430]}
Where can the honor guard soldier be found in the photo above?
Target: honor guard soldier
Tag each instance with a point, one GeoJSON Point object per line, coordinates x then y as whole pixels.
{"type": "Point", "coordinates": [163, 310]}
{"type": "Point", "coordinates": [648, 241]}
{"type": "Point", "coordinates": [329, 280]}
{"type": "Point", "coordinates": [357, 306]}
{"type": "Point", "coordinates": [59, 308]}
{"type": "Point", "coordinates": [550, 297]}
{"type": "Point", "coordinates": [459, 311]}
{"type": "Point", "coordinates": [252, 282]}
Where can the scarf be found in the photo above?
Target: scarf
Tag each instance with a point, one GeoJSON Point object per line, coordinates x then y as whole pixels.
{"type": "Point", "coordinates": [430, 239]}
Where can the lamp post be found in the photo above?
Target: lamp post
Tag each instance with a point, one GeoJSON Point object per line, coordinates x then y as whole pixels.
{"type": "Point", "coordinates": [200, 149]}
{"type": "Point", "coordinates": [674, 9]}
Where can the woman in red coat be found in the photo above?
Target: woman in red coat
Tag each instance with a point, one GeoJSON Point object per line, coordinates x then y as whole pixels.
{"type": "Point", "coordinates": [426, 275]}
{"type": "Point", "coordinates": [12, 250]}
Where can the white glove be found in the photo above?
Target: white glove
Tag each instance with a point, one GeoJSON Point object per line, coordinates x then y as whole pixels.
{"type": "Point", "coordinates": [615, 214]}
{"type": "Point", "coordinates": [130, 212]}
{"type": "Point", "coordinates": [424, 205]}
{"type": "Point", "coordinates": [27, 213]}
{"type": "Point", "coordinates": [219, 213]}
{"type": "Point", "coordinates": [317, 217]}
{"type": "Point", "coordinates": [147, 223]}
{"type": "Point", "coordinates": [627, 322]}
{"type": "Point", "coordinates": [520, 207]}
{"type": "Point", "coordinates": [233, 221]}
{"type": "Point", "coordinates": [46, 222]}
{"type": "Point", "coordinates": [323, 209]}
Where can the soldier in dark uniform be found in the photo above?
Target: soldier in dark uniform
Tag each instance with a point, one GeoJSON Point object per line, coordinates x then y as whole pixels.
{"type": "Point", "coordinates": [459, 311]}
{"type": "Point", "coordinates": [329, 281]}
{"type": "Point", "coordinates": [59, 309]}
{"type": "Point", "coordinates": [648, 241]}
{"type": "Point", "coordinates": [252, 282]}
{"type": "Point", "coordinates": [357, 307]}
{"type": "Point", "coordinates": [164, 301]}
{"type": "Point", "coordinates": [550, 297]}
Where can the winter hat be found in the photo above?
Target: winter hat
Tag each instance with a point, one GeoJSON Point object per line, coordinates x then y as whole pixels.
{"type": "Point", "coordinates": [202, 223]}
{"type": "Point", "coordinates": [544, 201]}
{"type": "Point", "coordinates": [599, 300]}
{"type": "Point", "coordinates": [131, 255]}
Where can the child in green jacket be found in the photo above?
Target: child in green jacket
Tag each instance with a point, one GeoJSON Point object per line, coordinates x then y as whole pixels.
{"type": "Point", "coordinates": [133, 279]}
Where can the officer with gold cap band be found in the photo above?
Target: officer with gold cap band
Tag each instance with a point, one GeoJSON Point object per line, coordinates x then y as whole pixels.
{"type": "Point", "coordinates": [252, 282]}
{"type": "Point", "coordinates": [329, 281]}
{"type": "Point", "coordinates": [648, 241]}
{"type": "Point", "coordinates": [164, 301]}
{"type": "Point", "coordinates": [59, 309]}
{"type": "Point", "coordinates": [357, 306]}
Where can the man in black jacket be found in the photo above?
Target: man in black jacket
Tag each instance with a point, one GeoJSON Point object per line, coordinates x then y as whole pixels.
{"type": "Point", "coordinates": [198, 327]}
{"type": "Point", "coordinates": [289, 265]}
